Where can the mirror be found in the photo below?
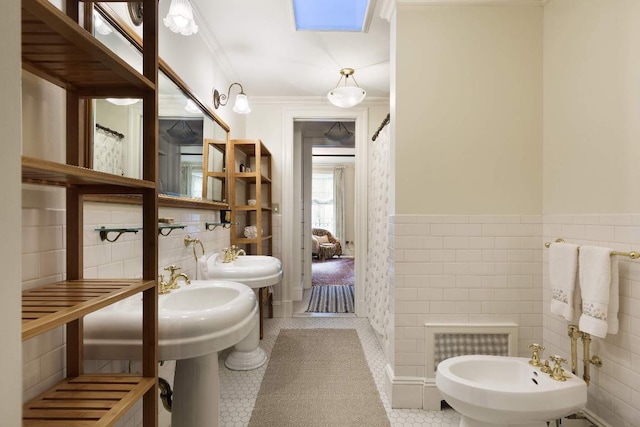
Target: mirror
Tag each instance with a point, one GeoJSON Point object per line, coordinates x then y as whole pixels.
{"type": "Point", "coordinates": [187, 131]}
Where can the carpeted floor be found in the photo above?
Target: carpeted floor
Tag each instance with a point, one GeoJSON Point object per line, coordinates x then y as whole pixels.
{"type": "Point", "coordinates": [318, 378]}
{"type": "Point", "coordinates": [334, 271]}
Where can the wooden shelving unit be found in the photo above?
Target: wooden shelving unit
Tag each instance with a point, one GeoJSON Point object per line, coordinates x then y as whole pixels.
{"type": "Point", "coordinates": [56, 48]}
{"type": "Point", "coordinates": [244, 186]}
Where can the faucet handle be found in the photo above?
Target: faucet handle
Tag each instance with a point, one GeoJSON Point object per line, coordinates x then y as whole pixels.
{"type": "Point", "coordinates": [163, 287]}
{"type": "Point", "coordinates": [172, 268]}
{"type": "Point", "coordinates": [557, 373]}
{"type": "Point", "coordinates": [537, 351]}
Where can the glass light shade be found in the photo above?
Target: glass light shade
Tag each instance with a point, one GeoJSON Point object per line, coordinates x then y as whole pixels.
{"type": "Point", "coordinates": [122, 101]}
{"type": "Point", "coordinates": [100, 26]}
{"type": "Point", "coordinates": [192, 108]}
{"type": "Point", "coordinates": [242, 104]}
{"type": "Point", "coordinates": [180, 18]}
{"type": "Point", "coordinates": [346, 96]}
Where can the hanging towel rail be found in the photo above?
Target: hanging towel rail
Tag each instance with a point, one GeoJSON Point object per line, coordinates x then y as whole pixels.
{"type": "Point", "coordinates": [632, 254]}
{"type": "Point", "coordinates": [385, 122]}
{"type": "Point", "coordinates": [109, 131]}
{"type": "Point", "coordinates": [189, 241]}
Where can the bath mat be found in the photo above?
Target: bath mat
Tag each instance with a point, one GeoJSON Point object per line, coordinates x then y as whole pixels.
{"type": "Point", "coordinates": [318, 378]}
{"type": "Point", "coordinates": [331, 299]}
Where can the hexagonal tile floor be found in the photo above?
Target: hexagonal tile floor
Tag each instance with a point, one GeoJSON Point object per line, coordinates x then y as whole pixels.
{"type": "Point", "coordinates": [239, 389]}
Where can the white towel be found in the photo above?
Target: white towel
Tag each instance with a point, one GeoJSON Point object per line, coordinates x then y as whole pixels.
{"type": "Point", "coordinates": [202, 269]}
{"type": "Point", "coordinates": [563, 268]}
{"type": "Point", "coordinates": [600, 291]}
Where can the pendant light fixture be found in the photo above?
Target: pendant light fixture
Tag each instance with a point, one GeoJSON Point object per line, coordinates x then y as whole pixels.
{"type": "Point", "coordinates": [338, 133]}
{"type": "Point", "coordinates": [346, 96]}
{"type": "Point", "coordinates": [180, 18]}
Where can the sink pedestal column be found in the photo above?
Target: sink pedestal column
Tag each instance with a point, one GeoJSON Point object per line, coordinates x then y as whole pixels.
{"type": "Point", "coordinates": [195, 392]}
{"type": "Point", "coordinates": [247, 354]}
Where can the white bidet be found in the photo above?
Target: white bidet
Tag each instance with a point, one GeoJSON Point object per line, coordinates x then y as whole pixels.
{"type": "Point", "coordinates": [503, 391]}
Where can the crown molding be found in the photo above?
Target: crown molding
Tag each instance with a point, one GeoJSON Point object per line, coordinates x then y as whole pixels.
{"type": "Point", "coordinates": [388, 6]}
{"type": "Point", "coordinates": [311, 100]}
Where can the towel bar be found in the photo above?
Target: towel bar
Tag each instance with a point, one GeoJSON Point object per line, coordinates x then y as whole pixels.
{"type": "Point", "coordinates": [632, 254]}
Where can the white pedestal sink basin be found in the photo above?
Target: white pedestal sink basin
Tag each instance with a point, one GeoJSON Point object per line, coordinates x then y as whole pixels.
{"type": "Point", "coordinates": [194, 323]}
{"type": "Point", "coordinates": [503, 391]}
{"type": "Point", "coordinates": [257, 272]}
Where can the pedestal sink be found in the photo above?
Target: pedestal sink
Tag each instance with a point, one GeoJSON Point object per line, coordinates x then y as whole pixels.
{"type": "Point", "coordinates": [257, 272]}
{"type": "Point", "coordinates": [194, 323]}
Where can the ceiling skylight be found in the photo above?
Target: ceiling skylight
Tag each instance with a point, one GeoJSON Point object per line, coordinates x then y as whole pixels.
{"type": "Point", "coordinates": [330, 15]}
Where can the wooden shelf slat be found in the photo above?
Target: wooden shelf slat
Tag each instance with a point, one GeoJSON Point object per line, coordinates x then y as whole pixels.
{"type": "Point", "coordinates": [244, 240]}
{"type": "Point", "coordinates": [250, 177]}
{"type": "Point", "coordinates": [252, 208]}
{"type": "Point", "coordinates": [74, 299]}
{"type": "Point", "coordinates": [45, 172]}
{"type": "Point", "coordinates": [50, 39]}
{"type": "Point", "coordinates": [88, 400]}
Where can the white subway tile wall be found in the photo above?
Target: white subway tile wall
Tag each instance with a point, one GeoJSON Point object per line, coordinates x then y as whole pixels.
{"type": "Point", "coordinates": [614, 393]}
{"type": "Point", "coordinates": [464, 269]}
{"type": "Point", "coordinates": [43, 259]}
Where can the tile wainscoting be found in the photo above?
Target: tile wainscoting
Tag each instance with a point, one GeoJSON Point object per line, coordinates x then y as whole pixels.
{"type": "Point", "coordinates": [459, 269]}
{"type": "Point", "coordinates": [614, 392]}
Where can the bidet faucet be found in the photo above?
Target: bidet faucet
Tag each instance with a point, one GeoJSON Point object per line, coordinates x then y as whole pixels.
{"type": "Point", "coordinates": [173, 278]}
{"type": "Point", "coordinates": [535, 357]}
{"type": "Point", "coordinates": [557, 373]}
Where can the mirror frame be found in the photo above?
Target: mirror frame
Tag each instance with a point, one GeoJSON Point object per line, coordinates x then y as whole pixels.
{"type": "Point", "coordinates": [163, 200]}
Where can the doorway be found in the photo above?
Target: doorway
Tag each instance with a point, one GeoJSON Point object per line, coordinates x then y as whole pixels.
{"type": "Point", "coordinates": [293, 211]}
{"type": "Point", "coordinates": [328, 170]}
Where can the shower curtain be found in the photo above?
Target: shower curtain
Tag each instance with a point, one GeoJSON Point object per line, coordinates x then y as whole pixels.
{"type": "Point", "coordinates": [377, 278]}
{"type": "Point", "coordinates": [108, 151]}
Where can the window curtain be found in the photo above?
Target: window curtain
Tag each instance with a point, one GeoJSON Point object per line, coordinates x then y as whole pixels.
{"type": "Point", "coordinates": [339, 202]}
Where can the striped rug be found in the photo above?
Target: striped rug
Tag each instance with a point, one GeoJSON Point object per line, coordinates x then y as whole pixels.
{"type": "Point", "coordinates": [331, 299]}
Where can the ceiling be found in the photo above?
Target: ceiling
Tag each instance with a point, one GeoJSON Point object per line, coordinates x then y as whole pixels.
{"type": "Point", "coordinates": [257, 43]}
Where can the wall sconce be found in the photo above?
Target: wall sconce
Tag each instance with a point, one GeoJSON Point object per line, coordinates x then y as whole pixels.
{"type": "Point", "coordinates": [180, 18]}
{"type": "Point", "coordinates": [242, 102]}
{"type": "Point", "coordinates": [346, 96]}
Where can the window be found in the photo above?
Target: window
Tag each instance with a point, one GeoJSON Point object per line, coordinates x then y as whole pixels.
{"type": "Point", "coordinates": [322, 203]}
{"type": "Point", "coordinates": [330, 15]}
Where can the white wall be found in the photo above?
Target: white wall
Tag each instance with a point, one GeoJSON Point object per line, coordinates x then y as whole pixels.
{"type": "Point", "coordinates": [591, 153]}
{"type": "Point", "coordinates": [591, 107]}
{"type": "Point", "coordinates": [468, 110]}
{"type": "Point", "coordinates": [10, 291]}
{"type": "Point", "coordinates": [266, 122]}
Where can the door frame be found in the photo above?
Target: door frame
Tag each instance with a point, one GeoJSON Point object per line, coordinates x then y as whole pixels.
{"type": "Point", "coordinates": [292, 204]}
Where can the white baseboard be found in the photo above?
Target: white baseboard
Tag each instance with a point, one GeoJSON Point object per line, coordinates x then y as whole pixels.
{"type": "Point", "coordinates": [296, 294]}
{"type": "Point", "coordinates": [404, 392]}
{"type": "Point", "coordinates": [282, 309]}
{"type": "Point", "coordinates": [431, 396]}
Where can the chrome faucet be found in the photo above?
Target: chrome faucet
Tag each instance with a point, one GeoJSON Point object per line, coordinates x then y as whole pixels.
{"type": "Point", "coordinates": [232, 253]}
{"type": "Point", "coordinates": [173, 278]}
